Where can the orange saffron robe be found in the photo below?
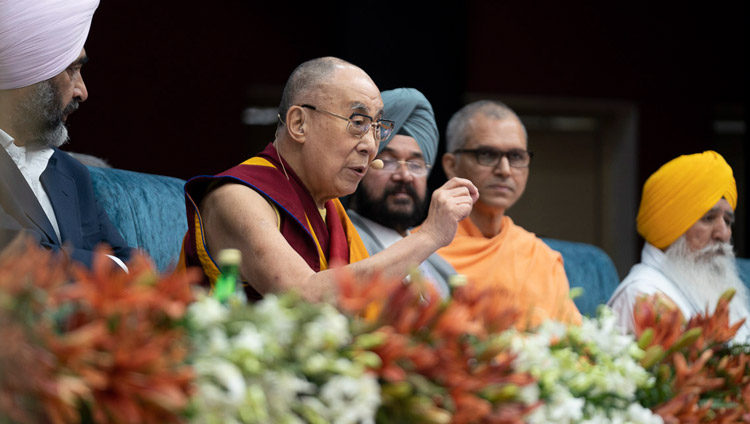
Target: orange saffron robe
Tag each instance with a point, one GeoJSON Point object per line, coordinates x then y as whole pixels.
{"type": "Point", "coordinates": [519, 263]}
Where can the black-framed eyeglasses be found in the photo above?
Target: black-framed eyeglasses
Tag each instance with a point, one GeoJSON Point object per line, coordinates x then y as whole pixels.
{"type": "Point", "coordinates": [415, 167]}
{"type": "Point", "coordinates": [359, 124]}
{"type": "Point", "coordinates": [517, 158]}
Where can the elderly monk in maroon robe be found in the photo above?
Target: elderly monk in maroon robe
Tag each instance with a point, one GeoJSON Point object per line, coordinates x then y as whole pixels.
{"type": "Point", "coordinates": [281, 208]}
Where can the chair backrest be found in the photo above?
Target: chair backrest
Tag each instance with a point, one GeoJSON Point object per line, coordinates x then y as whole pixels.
{"type": "Point", "coordinates": [590, 268]}
{"type": "Point", "coordinates": [147, 209]}
{"type": "Point", "coordinates": [743, 266]}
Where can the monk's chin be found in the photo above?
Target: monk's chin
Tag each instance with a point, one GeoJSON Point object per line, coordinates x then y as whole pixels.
{"type": "Point", "coordinates": [496, 202]}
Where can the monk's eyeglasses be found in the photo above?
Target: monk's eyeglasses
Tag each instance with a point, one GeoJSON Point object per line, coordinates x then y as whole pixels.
{"type": "Point", "coordinates": [358, 124]}
{"type": "Point", "coordinates": [517, 158]}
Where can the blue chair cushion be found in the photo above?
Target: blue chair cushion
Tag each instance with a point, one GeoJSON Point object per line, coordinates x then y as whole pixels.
{"type": "Point", "coordinates": [590, 268]}
{"type": "Point", "coordinates": [147, 209]}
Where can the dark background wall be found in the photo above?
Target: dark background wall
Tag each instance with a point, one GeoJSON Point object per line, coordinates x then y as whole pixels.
{"type": "Point", "coordinates": [168, 81]}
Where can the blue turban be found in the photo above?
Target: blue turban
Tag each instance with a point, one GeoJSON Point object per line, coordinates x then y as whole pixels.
{"type": "Point", "coordinates": [414, 117]}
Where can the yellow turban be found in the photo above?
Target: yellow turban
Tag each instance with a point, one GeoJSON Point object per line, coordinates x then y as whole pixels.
{"type": "Point", "coordinates": [677, 195]}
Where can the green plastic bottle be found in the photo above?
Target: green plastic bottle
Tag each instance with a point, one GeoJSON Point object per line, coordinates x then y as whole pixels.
{"type": "Point", "coordinates": [229, 283]}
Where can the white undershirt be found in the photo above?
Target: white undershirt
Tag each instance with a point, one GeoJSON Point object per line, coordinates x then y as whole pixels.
{"type": "Point", "coordinates": [32, 163]}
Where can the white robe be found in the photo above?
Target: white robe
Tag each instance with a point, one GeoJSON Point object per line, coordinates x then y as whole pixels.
{"type": "Point", "coordinates": [647, 278]}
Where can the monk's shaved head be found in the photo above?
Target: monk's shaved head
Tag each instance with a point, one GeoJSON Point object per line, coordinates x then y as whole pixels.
{"type": "Point", "coordinates": [306, 79]}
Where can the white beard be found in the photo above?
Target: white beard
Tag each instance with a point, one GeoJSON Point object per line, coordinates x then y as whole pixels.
{"type": "Point", "coordinates": [704, 275]}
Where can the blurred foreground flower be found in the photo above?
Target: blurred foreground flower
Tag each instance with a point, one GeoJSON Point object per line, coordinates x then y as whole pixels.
{"type": "Point", "coordinates": [109, 347]}
{"type": "Point", "coordinates": [440, 361]}
{"type": "Point", "coordinates": [280, 360]}
{"type": "Point", "coordinates": [100, 345]}
{"type": "Point", "coordinates": [701, 377]}
{"type": "Point", "coordinates": [584, 374]}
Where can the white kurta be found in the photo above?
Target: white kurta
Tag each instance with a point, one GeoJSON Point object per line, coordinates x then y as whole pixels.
{"type": "Point", "coordinates": [647, 278]}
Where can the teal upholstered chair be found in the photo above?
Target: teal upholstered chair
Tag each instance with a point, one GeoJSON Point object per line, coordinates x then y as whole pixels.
{"type": "Point", "coordinates": [743, 266]}
{"type": "Point", "coordinates": [590, 268]}
{"type": "Point", "coordinates": [149, 210]}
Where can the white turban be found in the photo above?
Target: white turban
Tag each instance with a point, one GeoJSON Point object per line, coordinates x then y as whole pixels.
{"type": "Point", "coordinates": [40, 38]}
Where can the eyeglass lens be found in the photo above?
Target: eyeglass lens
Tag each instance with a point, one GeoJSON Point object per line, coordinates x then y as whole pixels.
{"type": "Point", "coordinates": [360, 124]}
{"type": "Point", "coordinates": [414, 167]}
{"type": "Point", "coordinates": [517, 158]}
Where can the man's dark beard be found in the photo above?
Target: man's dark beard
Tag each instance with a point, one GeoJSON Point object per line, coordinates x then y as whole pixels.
{"type": "Point", "coordinates": [377, 209]}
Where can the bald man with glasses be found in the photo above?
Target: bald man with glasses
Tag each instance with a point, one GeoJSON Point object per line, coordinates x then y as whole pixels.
{"type": "Point", "coordinates": [280, 209]}
{"type": "Point", "coordinates": [487, 144]}
{"type": "Point", "coordinates": [391, 200]}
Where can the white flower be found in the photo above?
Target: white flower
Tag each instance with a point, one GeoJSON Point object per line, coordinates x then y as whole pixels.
{"type": "Point", "coordinates": [637, 414]}
{"type": "Point", "coordinates": [283, 388]}
{"type": "Point", "coordinates": [277, 320]}
{"type": "Point", "coordinates": [206, 312]}
{"type": "Point", "coordinates": [351, 400]}
{"type": "Point", "coordinates": [329, 329]}
{"type": "Point", "coordinates": [248, 339]}
{"type": "Point", "coordinates": [552, 330]}
{"type": "Point", "coordinates": [221, 378]}
{"type": "Point", "coordinates": [217, 342]}
{"type": "Point", "coordinates": [529, 393]}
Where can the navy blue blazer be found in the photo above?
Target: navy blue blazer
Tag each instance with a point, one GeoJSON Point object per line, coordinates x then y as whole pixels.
{"type": "Point", "coordinates": [82, 221]}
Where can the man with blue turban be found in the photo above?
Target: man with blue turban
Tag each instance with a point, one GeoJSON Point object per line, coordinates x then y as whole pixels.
{"type": "Point", "coordinates": [45, 193]}
{"type": "Point", "coordinates": [391, 200]}
{"type": "Point", "coordinates": [686, 216]}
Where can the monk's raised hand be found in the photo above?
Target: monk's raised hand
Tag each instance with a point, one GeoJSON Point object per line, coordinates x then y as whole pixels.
{"type": "Point", "coordinates": [450, 204]}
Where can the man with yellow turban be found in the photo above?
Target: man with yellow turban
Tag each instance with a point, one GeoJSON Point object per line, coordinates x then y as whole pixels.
{"type": "Point", "coordinates": [44, 192]}
{"type": "Point", "coordinates": [686, 216]}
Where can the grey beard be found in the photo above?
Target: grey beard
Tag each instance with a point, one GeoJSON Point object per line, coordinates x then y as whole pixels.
{"type": "Point", "coordinates": [706, 274]}
{"type": "Point", "coordinates": [41, 115]}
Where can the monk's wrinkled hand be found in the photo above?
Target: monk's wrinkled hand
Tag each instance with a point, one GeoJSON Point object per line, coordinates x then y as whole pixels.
{"type": "Point", "coordinates": [450, 204]}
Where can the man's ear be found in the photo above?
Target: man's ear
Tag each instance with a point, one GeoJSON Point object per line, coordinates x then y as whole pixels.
{"type": "Point", "coordinates": [449, 165]}
{"type": "Point", "coordinates": [295, 123]}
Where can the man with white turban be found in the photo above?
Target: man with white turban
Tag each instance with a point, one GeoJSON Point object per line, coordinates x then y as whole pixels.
{"type": "Point", "coordinates": [686, 216]}
{"type": "Point", "coordinates": [44, 192]}
{"type": "Point", "coordinates": [391, 200]}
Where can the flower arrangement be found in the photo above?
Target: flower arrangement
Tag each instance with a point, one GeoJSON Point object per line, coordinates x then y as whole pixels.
{"type": "Point", "coordinates": [282, 360]}
{"type": "Point", "coordinates": [583, 374]}
{"type": "Point", "coordinates": [102, 345]}
{"type": "Point", "coordinates": [109, 347]}
{"type": "Point", "coordinates": [701, 377]}
{"type": "Point", "coordinates": [440, 361]}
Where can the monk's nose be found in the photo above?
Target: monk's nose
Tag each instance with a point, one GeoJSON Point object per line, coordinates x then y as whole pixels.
{"type": "Point", "coordinates": [368, 144]}
{"type": "Point", "coordinates": [503, 166]}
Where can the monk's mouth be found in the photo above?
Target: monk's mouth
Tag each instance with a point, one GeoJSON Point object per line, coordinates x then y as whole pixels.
{"type": "Point", "coordinates": [359, 170]}
{"type": "Point", "coordinates": [500, 188]}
